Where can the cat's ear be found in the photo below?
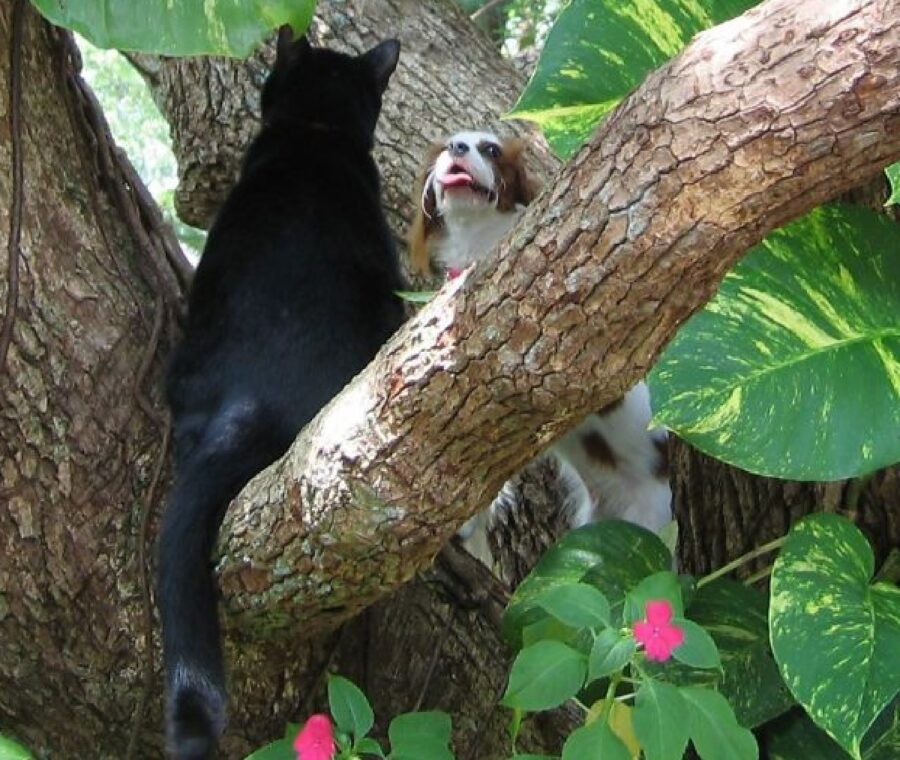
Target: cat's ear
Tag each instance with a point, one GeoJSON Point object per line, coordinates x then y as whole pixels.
{"type": "Point", "coordinates": [382, 60]}
{"type": "Point", "coordinates": [287, 49]}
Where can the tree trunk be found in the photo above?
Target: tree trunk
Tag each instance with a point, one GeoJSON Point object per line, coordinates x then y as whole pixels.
{"type": "Point", "coordinates": [82, 424]}
{"type": "Point", "coordinates": [723, 512]}
{"type": "Point", "coordinates": [100, 280]}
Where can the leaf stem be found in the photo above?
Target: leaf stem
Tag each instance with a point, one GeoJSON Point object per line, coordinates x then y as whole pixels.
{"type": "Point", "coordinates": [742, 560]}
{"type": "Point", "coordinates": [854, 490]}
{"type": "Point", "coordinates": [758, 575]}
{"type": "Point", "coordinates": [890, 570]}
{"type": "Point", "coordinates": [610, 696]}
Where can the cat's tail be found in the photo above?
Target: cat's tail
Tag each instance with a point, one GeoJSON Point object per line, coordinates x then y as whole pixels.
{"type": "Point", "coordinates": [236, 443]}
{"type": "Point", "coordinates": [195, 677]}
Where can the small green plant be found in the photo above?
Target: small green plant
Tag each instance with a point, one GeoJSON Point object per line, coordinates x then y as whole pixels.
{"type": "Point", "coordinates": [344, 735]}
{"type": "Point", "coordinates": [657, 660]}
{"type": "Point", "coordinates": [607, 627]}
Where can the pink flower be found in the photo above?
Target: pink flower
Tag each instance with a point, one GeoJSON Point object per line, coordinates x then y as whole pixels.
{"type": "Point", "coordinates": [657, 633]}
{"type": "Point", "coordinates": [316, 739]}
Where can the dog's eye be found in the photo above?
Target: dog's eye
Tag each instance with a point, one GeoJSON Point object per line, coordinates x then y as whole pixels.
{"type": "Point", "coordinates": [491, 149]}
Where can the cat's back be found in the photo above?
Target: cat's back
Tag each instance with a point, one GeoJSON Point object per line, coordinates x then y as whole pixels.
{"type": "Point", "coordinates": [303, 226]}
{"type": "Point", "coordinates": [299, 267]}
{"type": "Point", "coordinates": [297, 202]}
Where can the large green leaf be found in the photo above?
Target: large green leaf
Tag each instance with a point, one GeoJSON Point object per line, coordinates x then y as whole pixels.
{"type": "Point", "coordinates": [893, 175]}
{"type": "Point", "coordinates": [415, 736]}
{"type": "Point", "coordinates": [349, 707]}
{"type": "Point", "coordinates": [698, 650]}
{"type": "Point", "coordinates": [611, 555]}
{"type": "Point", "coordinates": [577, 605]}
{"type": "Point", "coordinates": [796, 737]}
{"type": "Point", "coordinates": [609, 653]}
{"type": "Point", "coordinates": [185, 27]}
{"type": "Point", "coordinates": [367, 746]}
{"type": "Point", "coordinates": [715, 732]}
{"type": "Point", "coordinates": [544, 675]}
{"type": "Point", "coordinates": [9, 750]}
{"type": "Point", "coordinates": [661, 720]}
{"type": "Point", "coordinates": [595, 742]}
{"type": "Point", "coordinates": [599, 50]}
{"type": "Point", "coordinates": [736, 617]}
{"type": "Point", "coordinates": [835, 636]}
{"type": "Point", "coordinates": [793, 370]}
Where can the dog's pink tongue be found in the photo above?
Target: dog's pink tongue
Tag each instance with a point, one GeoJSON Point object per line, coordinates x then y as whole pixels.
{"type": "Point", "coordinates": [455, 180]}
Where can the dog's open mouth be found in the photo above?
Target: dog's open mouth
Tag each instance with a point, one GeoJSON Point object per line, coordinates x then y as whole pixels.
{"type": "Point", "coordinates": [457, 177]}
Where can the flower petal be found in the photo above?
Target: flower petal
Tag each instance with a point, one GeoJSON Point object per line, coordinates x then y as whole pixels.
{"type": "Point", "coordinates": [659, 612]}
{"type": "Point", "coordinates": [672, 635]}
{"type": "Point", "coordinates": [657, 649]}
{"type": "Point", "coordinates": [316, 739]}
{"type": "Point", "coordinates": [643, 631]}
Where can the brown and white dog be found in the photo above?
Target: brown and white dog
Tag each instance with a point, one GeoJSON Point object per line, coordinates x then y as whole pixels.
{"type": "Point", "coordinates": [471, 191]}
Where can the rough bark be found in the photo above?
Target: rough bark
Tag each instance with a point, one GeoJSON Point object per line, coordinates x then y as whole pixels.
{"type": "Point", "coordinates": [76, 476]}
{"type": "Point", "coordinates": [81, 423]}
{"type": "Point", "coordinates": [753, 124]}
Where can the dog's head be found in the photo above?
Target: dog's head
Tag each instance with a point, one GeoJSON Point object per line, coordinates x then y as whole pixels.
{"type": "Point", "coordinates": [471, 175]}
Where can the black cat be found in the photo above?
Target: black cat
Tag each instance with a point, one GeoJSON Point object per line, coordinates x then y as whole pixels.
{"type": "Point", "coordinates": [294, 295]}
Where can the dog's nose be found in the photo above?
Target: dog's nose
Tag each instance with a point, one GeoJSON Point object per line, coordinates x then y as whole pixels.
{"type": "Point", "coordinates": [458, 148]}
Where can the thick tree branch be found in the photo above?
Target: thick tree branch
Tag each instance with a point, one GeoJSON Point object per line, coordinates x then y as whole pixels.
{"type": "Point", "coordinates": [79, 454]}
{"type": "Point", "coordinates": [756, 122]}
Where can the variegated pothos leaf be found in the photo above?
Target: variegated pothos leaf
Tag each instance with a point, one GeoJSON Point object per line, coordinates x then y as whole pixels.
{"type": "Point", "coordinates": [793, 369]}
{"type": "Point", "coordinates": [835, 637]}
{"type": "Point", "coordinates": [893, 175]}
{"type": "Point", "coordinates": [599, 50]}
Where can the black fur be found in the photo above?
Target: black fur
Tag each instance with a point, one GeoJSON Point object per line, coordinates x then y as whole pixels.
{"type": "Point", "coordinates": [294, 295]}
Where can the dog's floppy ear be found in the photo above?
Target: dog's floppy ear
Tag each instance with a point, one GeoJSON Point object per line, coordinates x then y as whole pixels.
{"type": "Point", "coordinates": [426, 220]}
{"type": "Point", "coordinates": [523, 189]}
